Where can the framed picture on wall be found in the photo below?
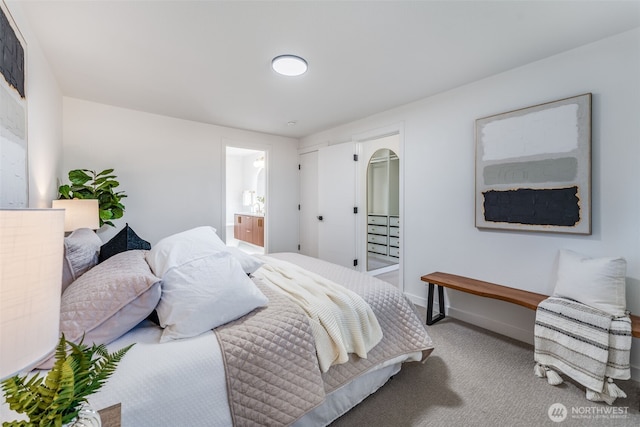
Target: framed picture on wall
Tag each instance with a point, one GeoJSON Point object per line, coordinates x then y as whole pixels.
{"type": "Point", "coordinates": [533, 168]}
{"type": "Point", "coordinates": [14, 176]}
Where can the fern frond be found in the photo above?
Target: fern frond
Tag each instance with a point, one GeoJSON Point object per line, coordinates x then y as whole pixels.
{"type": "Point", "coordinates": [54, 400]}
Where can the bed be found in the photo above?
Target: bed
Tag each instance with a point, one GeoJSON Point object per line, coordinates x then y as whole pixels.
{"type": "Point", "coordinates": [258, 364]}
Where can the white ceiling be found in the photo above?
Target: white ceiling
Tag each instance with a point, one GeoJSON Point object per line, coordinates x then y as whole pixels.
{"type": "Point", "coordinates": [209, 61]}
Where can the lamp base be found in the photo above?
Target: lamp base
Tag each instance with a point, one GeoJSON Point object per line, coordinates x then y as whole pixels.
{"type": "Point", "coordinates": [87, 417]}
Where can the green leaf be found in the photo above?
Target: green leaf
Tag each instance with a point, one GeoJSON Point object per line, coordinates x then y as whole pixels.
{"type": "Point", "coordinates": [103, 179]}
{"type": "Point", "coordinates": [105, 214]}
{"type": "Point", "coordinates": [117, 212]}
{"type": "Point", "coordinates": [107, 186]}
{"type": "Point", "coordinates": [78, 372]}
{"type": "Point", "coordinates": [64, 192]}
{"type": "Point", "coordinates": [78, 176]}
{"type": "Point", "coordinates": [105, 172]}
{"type": "Point", "coordinates": [82, 193]}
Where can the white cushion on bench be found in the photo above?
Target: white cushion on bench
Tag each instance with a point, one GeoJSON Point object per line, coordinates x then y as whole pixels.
{"type": "Point", "coordinates": [596, 282]}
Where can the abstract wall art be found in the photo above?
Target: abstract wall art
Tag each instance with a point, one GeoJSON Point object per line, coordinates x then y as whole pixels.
{"type": "Point", "coordinates": [14, 178]}
{"type": "Point", "coordinates": [533, 168]}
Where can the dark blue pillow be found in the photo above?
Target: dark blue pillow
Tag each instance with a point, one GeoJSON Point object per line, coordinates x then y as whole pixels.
{"type": "Point", "coordinates": [125, 240]}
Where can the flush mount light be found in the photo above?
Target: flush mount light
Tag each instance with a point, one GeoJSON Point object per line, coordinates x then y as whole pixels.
{"type": "Point", "coordinates": [289, 65]}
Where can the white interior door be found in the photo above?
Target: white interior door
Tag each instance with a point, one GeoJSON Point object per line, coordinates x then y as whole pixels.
{"type": "Point", "coordinates": [336, 202]}
{"type": "Point", "coordinates": [309, 204]}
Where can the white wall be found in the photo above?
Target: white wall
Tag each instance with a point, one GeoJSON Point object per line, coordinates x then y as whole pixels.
{"type": "Point", "coordinates": [172, 169]}
{"type": "Point", "coordinates": [439, 180]}
{"type": "Point", "coordinates": [44, 118]}
{"type": "Point", "coordinates": [235, 186]}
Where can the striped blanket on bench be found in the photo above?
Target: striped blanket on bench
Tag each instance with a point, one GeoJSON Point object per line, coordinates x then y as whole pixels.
{"type": "Point", "coordinates": [588, 345]}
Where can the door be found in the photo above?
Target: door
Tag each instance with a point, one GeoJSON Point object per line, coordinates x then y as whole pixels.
{"type": "Point", "coordinates": [308, 232]}
{"type": "Point", "coordinates": [336, 203]}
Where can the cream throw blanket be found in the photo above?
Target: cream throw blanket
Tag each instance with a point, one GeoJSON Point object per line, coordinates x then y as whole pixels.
{"type": "Point", "coordinates": [590, 346]}
{"type": "Point", "coordinates": [341, 321]}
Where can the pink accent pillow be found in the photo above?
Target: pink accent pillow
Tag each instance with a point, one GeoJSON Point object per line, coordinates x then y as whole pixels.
{"type": "Point", "coordinates": [108, 300]}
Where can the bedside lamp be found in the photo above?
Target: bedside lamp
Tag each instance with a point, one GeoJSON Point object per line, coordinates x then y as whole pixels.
{"type": "Point", "coordinates": [31, 252]}
{"type": "Point", "coordinates": [79, 213]}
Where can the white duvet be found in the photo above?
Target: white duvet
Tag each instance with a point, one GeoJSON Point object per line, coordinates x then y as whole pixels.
{"type": "Point", "coordinates": [151, 373]}
{"type": "Point", "coordinates": [171, 384]}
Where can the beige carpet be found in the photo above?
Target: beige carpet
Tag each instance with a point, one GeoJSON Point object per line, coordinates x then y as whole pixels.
{"type": "Point", "coordinates": [477, 378]}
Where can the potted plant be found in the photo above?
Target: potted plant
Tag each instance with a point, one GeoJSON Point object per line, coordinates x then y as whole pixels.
{"type": "Point", "coordinates": [87, 184]}
{"type": "Point", "coordinates": [57, 399]}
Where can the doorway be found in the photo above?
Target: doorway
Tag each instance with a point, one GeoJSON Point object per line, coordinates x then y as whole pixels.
{"type": "Point", "coordinates": [380, 193]}
{"type": "Point", "coordinates": [333, 202]}
{"type": "Point", "coordinates": [246, 188]}
{"type": "Point", "coordinates": [383, 210]}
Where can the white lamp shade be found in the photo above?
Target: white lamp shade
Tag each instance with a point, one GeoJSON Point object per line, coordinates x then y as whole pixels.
{"type": "Point", "coordinates": [31, 252]}
{"type": "Point", "coordinates": [79, 213]}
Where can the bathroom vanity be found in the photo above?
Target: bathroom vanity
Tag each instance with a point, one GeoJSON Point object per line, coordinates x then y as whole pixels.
{"type": "Point", "coordinates": [249, 227]}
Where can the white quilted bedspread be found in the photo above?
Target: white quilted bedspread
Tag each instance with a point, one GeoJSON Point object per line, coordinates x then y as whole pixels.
{"type": "Point", "coordinates": [402, 329]}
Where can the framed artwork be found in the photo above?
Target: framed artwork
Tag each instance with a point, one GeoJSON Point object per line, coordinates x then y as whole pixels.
{"type": "Point", "coordinates": [533, 168]}
{"type": "Point", "coordinates": [14, 176]}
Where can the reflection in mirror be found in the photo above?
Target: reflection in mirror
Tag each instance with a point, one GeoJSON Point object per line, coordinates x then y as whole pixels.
{"type": "Point", "coordinates": [246, 194]}
{"type": "Point", "coordinates": [383, 210]}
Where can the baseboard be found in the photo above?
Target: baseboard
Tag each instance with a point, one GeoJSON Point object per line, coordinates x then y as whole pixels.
{"type": "Point", "coordinates": [501, 328]}
{"type": "Point", "coordinates": [421, 301]}
{"type": "Point", "coordinates": [383, 270]}
{"type": "Point", "coordinates": [510, 331]}
{"type": "Point", "coordinates": [635, 373]}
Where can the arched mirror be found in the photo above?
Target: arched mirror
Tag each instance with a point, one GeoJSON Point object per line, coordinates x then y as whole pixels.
{"type": "Point", "coordinates": [383, 210]}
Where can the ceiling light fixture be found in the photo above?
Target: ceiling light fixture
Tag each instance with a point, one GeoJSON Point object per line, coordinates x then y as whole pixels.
{"type": "Point", "coordinates": [289, 65]}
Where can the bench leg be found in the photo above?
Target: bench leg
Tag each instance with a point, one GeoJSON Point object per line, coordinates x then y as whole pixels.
{"type": "Point", "coordinates": [430, 319]}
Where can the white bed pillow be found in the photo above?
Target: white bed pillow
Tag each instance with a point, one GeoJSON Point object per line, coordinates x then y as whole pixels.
{"type": "Point", "coordinates": [596, 282]}
{"type": "Point", "coordinates": [81, 249]}
{"type": "Point", "coordinates": [185, 246]}
{"type": "Point", "coordinates": [180, 248]}
{"type": "Point", "coordinates": [204, 293]}
{"type": "Point", "coordinates": [248, 262]}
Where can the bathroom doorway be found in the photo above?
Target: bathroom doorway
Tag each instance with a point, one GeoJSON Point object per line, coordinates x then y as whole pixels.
{"type": "Point", "coordinates": [246, 195]}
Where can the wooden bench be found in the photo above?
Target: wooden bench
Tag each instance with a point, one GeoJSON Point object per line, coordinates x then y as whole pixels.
{"type": "Point", "coordinates": [526, 299]}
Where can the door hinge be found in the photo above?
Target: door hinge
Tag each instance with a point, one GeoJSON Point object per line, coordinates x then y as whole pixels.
{"type": "Point", "coordinates": [355, 209]}
{"type": "Point", "coordinates": [355, 157]}
{"type": "Point", "coordinates": [298, 247]}
{"type": "Point", "coordinates": [298, 207]}
{"type": "Point", "coordinates": [355, 262]}
{"type": "Point", "coordinates": [298, 166]}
